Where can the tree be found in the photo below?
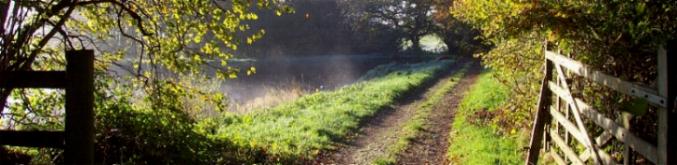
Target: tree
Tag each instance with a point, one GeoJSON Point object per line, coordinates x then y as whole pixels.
{"type": "Point", "coordinates": [460, 37]}
{"type": "Point", "coordinates": [617, 37]}
{"type": "Point", "coordinates": [317, 27]}
{"type": "Point", "coordinates": [413, 18]}
{"type": "Point", "coordinates": [168, 38]}
{"type": "Point", "coordinates": [152, 59]}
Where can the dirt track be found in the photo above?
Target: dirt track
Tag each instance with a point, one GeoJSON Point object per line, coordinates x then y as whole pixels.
{"type": "Point", "coordinates": [380, 131]}
{"type": "Point", "coordinates": [430, 147]}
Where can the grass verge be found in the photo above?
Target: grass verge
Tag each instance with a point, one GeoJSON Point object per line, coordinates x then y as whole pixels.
{"type": "Point", "coordinates": [299, 129]}
{"type": "Point", "coordinates": [413, 126]}
{"type": "Point", "coordinates": [474, 140]}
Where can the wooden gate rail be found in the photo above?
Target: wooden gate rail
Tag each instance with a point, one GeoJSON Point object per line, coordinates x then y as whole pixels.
{"type": "Point", "coordinates": [77, 139]}
{"type": "Point", "coordinates": [614, 83]}
{"type": "Point", "coordinates": [549, 118]}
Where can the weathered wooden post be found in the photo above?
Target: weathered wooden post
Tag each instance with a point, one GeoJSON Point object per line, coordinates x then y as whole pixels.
{"type": "Point", "coordinates": [542, 115]}
{"type": "Point", "coordinates": [667, 118]}
{"type": "Point", "coordinates": [79, 131]}
{"type": "Point", "coordinates": [671, 71]}
{"type": "Point", "coordinates": [77, 139]}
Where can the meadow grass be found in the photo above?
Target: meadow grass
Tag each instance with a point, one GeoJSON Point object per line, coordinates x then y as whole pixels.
{"type": "Point", "coordinates": [302, 128]}
{"type": "Point", "coordinates": [415, 125]}
{"type": "Point", "coordinates": [272, 97]}
{"type": "Point", "coordinates": [473, 143]}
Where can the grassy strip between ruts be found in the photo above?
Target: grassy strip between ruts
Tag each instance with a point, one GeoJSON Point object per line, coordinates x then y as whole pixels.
{"type": "Point", "coordinates": [414, 125]}
{"type": "Point", "coordinates": [299, 129]}
{"type": "Point", "coordinates": [476, 142]}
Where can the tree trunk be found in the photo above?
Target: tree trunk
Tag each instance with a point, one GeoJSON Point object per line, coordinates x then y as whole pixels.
{"type": "Point", "coordinates": [452, 48]}
{"type": "Point", "coordinates": [4, 95]}
{"type": "Point", "coordinates": [415, 44]}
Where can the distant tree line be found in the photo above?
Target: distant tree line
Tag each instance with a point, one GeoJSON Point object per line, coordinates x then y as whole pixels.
{"type": "Point", "coordinates": [360, 27]}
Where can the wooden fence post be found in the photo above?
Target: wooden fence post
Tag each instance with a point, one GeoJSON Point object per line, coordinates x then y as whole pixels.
{"type": "Point", "coordinates": [667, 87]}
{"type": "Point", "coordinates": [671, 71]}
{"type": "Point", "coordinates": [79, 131]}
{"type": "Point", "coordinates": [542, 116]}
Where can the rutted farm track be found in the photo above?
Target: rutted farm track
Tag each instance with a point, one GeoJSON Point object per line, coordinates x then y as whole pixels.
{"type": "Point", "coordinates": [387, 138]}
{"type": "Point", "coordinates": [430, 146]}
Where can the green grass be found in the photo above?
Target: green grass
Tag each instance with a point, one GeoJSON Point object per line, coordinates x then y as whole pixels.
{"type": "Point", "coordinates": [301, 128]}
{"type": "Point", "coordinates": [413, 126]}
{"type": "Point", "coordinates": [481, 143]}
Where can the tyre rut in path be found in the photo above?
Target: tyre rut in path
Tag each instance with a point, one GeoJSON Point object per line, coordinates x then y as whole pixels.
{"type": "Point", "coordinates": [380, 131]}
{"type": "Point", "coordinates": [430, 146]}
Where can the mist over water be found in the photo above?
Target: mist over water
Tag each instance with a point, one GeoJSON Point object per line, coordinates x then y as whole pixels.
{"type": "Point", "coordinates": [312, 73]}
{"type": "Point", "coordinates": [286, 75]}
{"type": "Point", "coordinates": [284, 78]}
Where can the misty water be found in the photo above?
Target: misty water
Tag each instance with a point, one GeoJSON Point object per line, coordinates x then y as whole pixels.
{"type": "Point", "coordinates": [313, 73]}
{"type": "Point", "coordinates": [310, 73]}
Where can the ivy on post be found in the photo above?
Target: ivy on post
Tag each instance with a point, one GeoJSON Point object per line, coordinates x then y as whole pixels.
{"type": "Point", "coordinates": [79, 131]}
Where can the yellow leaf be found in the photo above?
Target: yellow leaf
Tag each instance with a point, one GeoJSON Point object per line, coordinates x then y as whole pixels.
{"type": "Point", "coordinates": [251, 71]}
{"type": "Point", "coordinates": [197, 58]}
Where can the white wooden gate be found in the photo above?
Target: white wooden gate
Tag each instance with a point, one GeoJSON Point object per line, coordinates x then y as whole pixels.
{"type": "Point", "coordinates": [557, 107]}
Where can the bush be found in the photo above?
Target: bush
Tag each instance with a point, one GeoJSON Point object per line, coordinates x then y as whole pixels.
{"type": "Point", "coordinates": [475, 138]}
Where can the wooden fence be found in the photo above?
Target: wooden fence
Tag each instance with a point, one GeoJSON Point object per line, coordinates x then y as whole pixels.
{"type": "Point", "coordinates": [557, 106]}
{"type": "Point", "coordinates": [77, 139]}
